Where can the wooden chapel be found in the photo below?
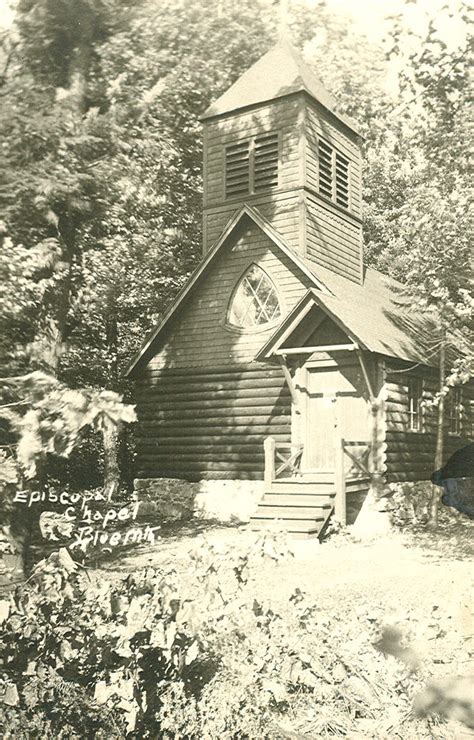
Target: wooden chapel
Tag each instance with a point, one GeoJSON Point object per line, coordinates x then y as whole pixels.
{"type": "Point", "coordinates": [284, 362]}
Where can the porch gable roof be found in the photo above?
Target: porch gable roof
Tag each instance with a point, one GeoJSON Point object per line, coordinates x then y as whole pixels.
{"type": "Point", "coordinates": [376, 316]}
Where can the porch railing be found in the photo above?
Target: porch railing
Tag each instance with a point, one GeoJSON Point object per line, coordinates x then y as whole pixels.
{"type": "Point", "coordinates": [281, 457]}
{"type": "Point", "coordinates": [342, 450]}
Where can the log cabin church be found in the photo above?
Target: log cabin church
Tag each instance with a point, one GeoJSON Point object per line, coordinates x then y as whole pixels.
{"type": "Point", "coordinates": [286, 373]}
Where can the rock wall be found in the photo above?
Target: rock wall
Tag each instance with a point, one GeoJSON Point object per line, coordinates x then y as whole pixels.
{"type": "Point", "coordinates": [177, 500]}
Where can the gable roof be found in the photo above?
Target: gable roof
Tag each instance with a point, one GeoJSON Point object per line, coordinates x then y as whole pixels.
{"type": "Point", "coordinates": [246, 212]}
{"type": "Point", "coordinates": [281, 71]}
{"type": "Point", "coordinates": [377, 315]}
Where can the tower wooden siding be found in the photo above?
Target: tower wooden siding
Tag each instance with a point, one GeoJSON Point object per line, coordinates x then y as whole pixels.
{"type": "Point", "coordinates": [311, 224]}
{"type": "Point", "coordinates": [410, 454]}
{"type": "Point", "coordinates": [204, 407]}
{"type": "Point", "coordinates": [334, 240]}
{"type": "Point", "coordinates": [282, 211]}
{"type": "Point", "coordinates": [321, 124]}
{"type": "Point", "coordinates": [333, 233]}
{"type": "Point", "coordinates": [280, 205]}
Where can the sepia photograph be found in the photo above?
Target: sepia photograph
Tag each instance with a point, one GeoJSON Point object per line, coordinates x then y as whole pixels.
{"type": "Point", "coordinates": [237, 370]}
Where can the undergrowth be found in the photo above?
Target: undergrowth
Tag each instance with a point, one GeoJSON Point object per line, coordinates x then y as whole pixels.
{"type": "Point", "coordinates": [156, 655]}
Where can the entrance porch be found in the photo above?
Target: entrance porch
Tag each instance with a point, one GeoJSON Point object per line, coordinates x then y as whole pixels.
{"type": "Point", "coordinates": [331, 461]}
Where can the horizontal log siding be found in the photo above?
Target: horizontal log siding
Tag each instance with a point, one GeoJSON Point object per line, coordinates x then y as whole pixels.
{"type": "Point", "coordinates": [410, 455]}
{"type": "Point", "coordinates": [204, 424]}
{"type": "Point", "coordinates": [199, 336]}
{"type": "Point", "coordinates": [333, 240]}
{"type": "Point", "coordinates": [320, 123]}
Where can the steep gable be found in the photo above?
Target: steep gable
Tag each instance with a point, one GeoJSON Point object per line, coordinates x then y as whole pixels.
{"type": "Point", "coordinates": [261, 239]}
{"type": "Point", "coordinates": [196, 332]}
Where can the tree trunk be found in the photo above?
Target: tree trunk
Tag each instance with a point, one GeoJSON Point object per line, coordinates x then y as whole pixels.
{"type": "Point", "coordinates": [110, 438]}
{"type": "Point", "coordinates": [438, 461]}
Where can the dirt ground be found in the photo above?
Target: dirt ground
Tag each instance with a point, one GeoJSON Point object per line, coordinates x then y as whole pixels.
{"type": "Point", "coordinates": [419, 567]}
{"type": "Point", "coordinates": [395, 572]}
{"type": "Point", "coordinates": [420, 579]}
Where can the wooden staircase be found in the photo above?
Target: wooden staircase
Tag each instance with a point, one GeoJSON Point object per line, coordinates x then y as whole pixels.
{"type": "Point", "coordinates": [301, 506]}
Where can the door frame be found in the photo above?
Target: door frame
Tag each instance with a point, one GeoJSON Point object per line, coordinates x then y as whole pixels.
{"type": "Point", "coordinates": [300, 417]}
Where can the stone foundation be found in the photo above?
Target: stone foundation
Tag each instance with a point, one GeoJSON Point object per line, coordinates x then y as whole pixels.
{"type": "Point", "coordinates": [372, 518]}
{"type": "Point", "coordinates": [177, 500]}
{"type": "Point", "coordinates": [354, 505]}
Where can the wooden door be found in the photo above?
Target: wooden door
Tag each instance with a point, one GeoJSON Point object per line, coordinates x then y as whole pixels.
{"type": "Point", "coordinates": [336, 405]}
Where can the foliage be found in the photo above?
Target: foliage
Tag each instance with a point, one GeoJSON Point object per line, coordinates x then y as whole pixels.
{"type": "Point", "coordinates": [103, 158]}
{"type": "Point", "coordinates": [418, 215]}
{"type": "Point", "coordinates": [409, 505]}
{"type": "Point", "coordinates": [47, 420]}
{"type": "Point", "coordinates": [164, 653]}
{"type": "Point", "coordinates": [56, 416]}
{"type": "Point", "coordinates": [113, 182]}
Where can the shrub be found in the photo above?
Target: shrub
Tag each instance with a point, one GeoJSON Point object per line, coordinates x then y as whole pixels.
{"type": "Point", "coordinates": [192, 655]}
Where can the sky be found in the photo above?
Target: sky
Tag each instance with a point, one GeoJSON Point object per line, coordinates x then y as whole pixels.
{"type": "Point", "coordinates": [369, 16]}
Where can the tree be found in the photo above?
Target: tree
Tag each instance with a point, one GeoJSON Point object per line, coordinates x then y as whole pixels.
{"type": "Point", "coordinates": [428, 244]}
{"type": "Point", "coordinates": [103, 158]}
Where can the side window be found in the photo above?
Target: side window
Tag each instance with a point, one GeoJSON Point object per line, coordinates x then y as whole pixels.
{"type": "Point", "coordinates": [454, 410]}
{"type": "Point", "coordinates": [254, 301]}
{"type": "Point", "coordinates": [415, 409]}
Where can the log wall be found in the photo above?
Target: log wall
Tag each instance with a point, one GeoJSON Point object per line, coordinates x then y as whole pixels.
{"type": "Point", "coordinates": [209, 423]}
{"type": "Point", "coordinates": [410, 455]}
{"type": "Point", "coordinates": [204, 407]}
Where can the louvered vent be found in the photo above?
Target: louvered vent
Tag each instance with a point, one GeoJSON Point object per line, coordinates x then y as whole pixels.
{"type": "Point", "coordinates": [237, 176]}
{"type": "Point", "coordinates": [325, 168]}
{"type": "Point", "coordinates": [333, 174]}
{"type": "Point", "coordinates": [342, 180]}
{"type": "Point", "coordinates": [265, 162]}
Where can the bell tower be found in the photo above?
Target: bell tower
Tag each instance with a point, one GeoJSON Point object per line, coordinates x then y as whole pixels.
{"type": "Point", "coordinates": [275, 141]}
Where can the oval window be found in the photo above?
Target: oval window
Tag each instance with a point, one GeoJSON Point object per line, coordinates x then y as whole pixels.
{"type": "Point", "coordinates": [254, 301]}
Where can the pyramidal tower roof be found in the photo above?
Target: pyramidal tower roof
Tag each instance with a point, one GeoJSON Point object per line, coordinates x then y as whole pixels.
{"type": "Point", "coordinates": [280, 72]}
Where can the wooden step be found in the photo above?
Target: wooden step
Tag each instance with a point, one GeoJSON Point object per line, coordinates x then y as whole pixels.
{"type": "Point", "coordinates": [301, 487]}
{"type": "Point", "coordinates": [298, 499]}
{"type": "Point", "coordinates": [293, 486]}
{"type": "Point", "coordinates": [291, 512]}
{"type": "Point", "coordinates": [314, 475]}
{"type": "Point", "coordinates": [291, 526]}
{"type": "Point", "coordinates": [354, 486]}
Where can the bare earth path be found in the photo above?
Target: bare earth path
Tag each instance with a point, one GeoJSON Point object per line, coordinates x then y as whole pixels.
{"type": "Point", "coordinates": [422, 579]}
{"type": "Point", "coordinates": [393, 572]}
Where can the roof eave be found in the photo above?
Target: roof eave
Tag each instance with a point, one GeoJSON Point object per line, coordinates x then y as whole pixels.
{"type": "Point", "coordinates": [301, 309]}
{"type": "Point", "coordinates": [346, 121]}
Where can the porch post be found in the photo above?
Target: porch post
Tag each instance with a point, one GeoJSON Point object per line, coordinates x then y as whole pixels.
{"type": "Point", "coordinates": [340, 481]}
{"type": "Point", "coordinates": [269, 448]}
